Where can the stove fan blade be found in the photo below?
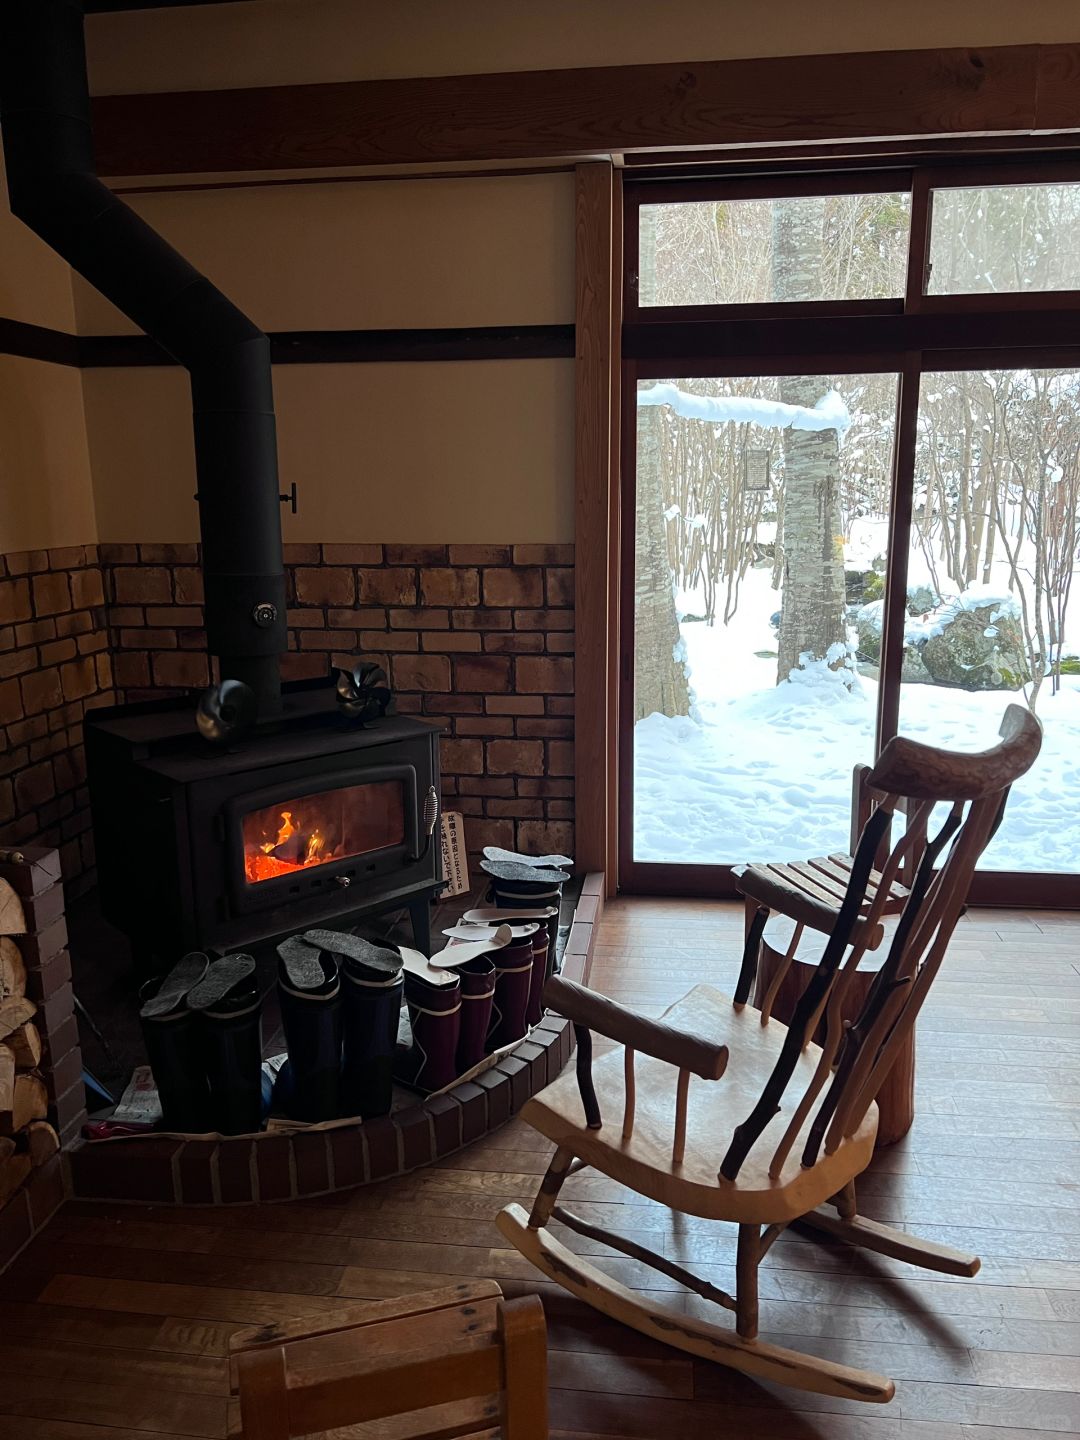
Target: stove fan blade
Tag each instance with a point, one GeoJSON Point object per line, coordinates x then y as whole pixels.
{"type": "Point", "coordinates": [225, 712]}
{"type": "Point", "coordinates": [363, 692]}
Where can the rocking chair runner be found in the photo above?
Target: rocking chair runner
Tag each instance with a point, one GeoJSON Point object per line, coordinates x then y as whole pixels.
{"type": "Point", "coordinates": [798, 1120]}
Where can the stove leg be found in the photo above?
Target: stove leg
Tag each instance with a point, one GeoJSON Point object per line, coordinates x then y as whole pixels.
{"type": "Point", "coordinates": [420, 916]}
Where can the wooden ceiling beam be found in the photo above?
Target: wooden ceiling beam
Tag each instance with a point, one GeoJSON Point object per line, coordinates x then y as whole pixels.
{"type": "Point", "coordinates": [788, 100]}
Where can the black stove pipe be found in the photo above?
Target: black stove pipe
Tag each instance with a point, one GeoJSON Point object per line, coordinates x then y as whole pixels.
{"type": "Point", "coordinates": [53, 187]}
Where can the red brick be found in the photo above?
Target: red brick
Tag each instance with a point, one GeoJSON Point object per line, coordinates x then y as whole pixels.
{"type": "Point", "coordinates": [234, 1171]}
{"type": "Point", "coordinates": [103, 670]}
{"type": "Point", "coordinates": [546, 837]}
{"type": "Point", "coordinates": [303, 667]}
{"type": "Point", "coordinates": [544, 619]}
{"type": "Point", "coordinates": [92, 644]}
{"type": "Point", "coordinates": [479, 554]}
{"type": "Point", "coordinates": [515, 757]}
{"type": "Point", "coordinates": [559, 584]}
{"type": "Point", "coordinates": [559, 704]}
{"type": "Point", "coordinates": [300, 554]}
{"type": "Point", "coordinates": [415, 554]}
{"type": "Point", "coordinates": [473, 1102]}
{"type": "Point", "coordinates": [388, 587]}
{"type": "Point", "coordinates": [544, 675]}
{"type": "Point", "coordinates": [417, 1138]}
{"type": "Point", "coordinates": [273, 1165]}
{"type": "Point", "coordinates": [7, 801]}
{"type": "Point", "coordinates": [419, 618]}
{"type": "Point", "coordinates": [560, 809]}
{"type": "Point", "coordinates": [347, 1152]}
{"type": "Point", "coordinates": [421, 672]}
{"type": "Point", "coordinates": [484, 725]}
{"type": "Point", "coordinates": [543, 554]}
{"type": "Point", "coordinates": [77, 623]}
{"type": "Point", "coordinates": [197, 1167]}
{"type": "Point", "coordinates": [559, 727]}
{"type": "Point", "coordinates": [332, 585]}
{"type": "Point", "coordinates": [66, 557]}
{"type": "Point", "coordinates": [513, 587]}
{"type": "Point", "coordinates": [462, 757]}
{"type": "Point", "coordinates": [482, 619]}
{"type": "Point", "coordinates": [174, 615]}
{"type": "Point", "coordinates": [514, 704]}
{"type": "Point", "coordinates": [514, 642]}
{"type": "Point", "coordinates": [560, 757]}
{"type": "Point", "coordinates": [146, 639]}
{"type": "Point", "coordinates": [79, 678]}
{"type": "Point", "coordinates": [327, 639]}
{"type": "Point", "coordinates": [560, 642]}
{"type": "Point", "coordinates": [189, 586]}
{"type": "Point", "coordinates": [27, 562]}
{"type": "Point", "coordinates": [451, 641]}
{"type": "Point", "coordinates": [486, 786]}
{"type": "Point", "coordinates": [86, 588]}
{"type": "Point", "coordinates": [352, 554]}
{"type": "Point", "coordinates": [450, 587]}
{"type": "Point", "coordinates": [52, 594]}
{"type": "Point", "coordinates": [517, 809]}
{"type": "Point", "coordinates": [132, 670]}
{"type": "Point", "coordinates": [148, 585]}
{"type": "Point", "coordinates": [182, 669]}
{"type": "Point", "coordinates": [547, 787]}
{"type": "Point", "coordinates": [479, 833]}
{"type": "Point", "coordinates": [445, 1115]}
{"type": "Point", "coordinates": [34, 786]}
{"type": "Point", "coordinates": [18, 662]}
{"type": "Point", "coordinates": [486, 673]}
{"type": "Point", "coordinates": [114, 554]}
{"type": "Point", "coordinates": [41, 691]}
{"type": "Point", "coordinates": [404, 640]}
{"type": "Point", "coordinates": [312, 1159]}
{"type": "Point", "coordinates": [169, 554]}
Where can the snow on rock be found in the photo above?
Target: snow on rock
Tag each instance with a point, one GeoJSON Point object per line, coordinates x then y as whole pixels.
{"type": "Point", "coordinates": [830, 412]}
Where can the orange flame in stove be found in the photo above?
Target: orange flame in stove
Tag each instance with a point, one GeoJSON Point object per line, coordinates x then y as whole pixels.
{"type": "Point", "coordinates": [263, 864]}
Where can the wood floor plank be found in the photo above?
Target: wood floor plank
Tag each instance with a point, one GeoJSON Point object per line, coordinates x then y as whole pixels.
{"type": "Point", "coordinates": [115, 1321]}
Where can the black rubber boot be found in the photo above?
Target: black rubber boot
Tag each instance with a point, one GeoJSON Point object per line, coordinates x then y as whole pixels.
{"type": "Point", "coordinates": [525, 887]}
{"type": "Point", "coordinates": [513, 977]}
{"type": "Point", "coordinates": [174, 1046]}
{"type": "Point", "coordinates": [435, 1016]}
{"type": "Point", "coordinates": [372, 986]}
{"type": "Point", "coordinates": [477, 993]}
{"type": "Point", "coordinates": [309, 993]}
{"type": "Point", "coordinates": [230, 1018]}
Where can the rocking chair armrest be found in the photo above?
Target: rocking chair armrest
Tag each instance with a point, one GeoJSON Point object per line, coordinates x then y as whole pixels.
{"type": "Point", "coordinates": [651, 1037]}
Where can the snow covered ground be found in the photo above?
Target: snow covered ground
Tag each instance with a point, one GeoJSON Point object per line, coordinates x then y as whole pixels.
{"type": "Point", "coordinates": [763, 772]}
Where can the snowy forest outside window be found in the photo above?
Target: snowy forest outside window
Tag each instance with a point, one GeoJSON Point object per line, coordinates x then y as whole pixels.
{"type": "Point", "coordinates": [782, 528]}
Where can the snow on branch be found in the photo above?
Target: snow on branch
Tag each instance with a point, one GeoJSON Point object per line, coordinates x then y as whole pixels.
{"type": "Point", "coordinates": [830, 412]}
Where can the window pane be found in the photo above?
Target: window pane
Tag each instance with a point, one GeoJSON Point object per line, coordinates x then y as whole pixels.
{"type": "Point", "coordinates": [1004, 238]}
{"type": "Point", "coordinates": [761, 529]}
{"type": "Point", "coordinates": [731, 252]}
{"type": "Point", "coordinates": [993, 591]}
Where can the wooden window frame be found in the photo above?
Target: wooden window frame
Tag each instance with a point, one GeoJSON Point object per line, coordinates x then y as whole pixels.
{"type": "Point", "coordinates": [914, 335]}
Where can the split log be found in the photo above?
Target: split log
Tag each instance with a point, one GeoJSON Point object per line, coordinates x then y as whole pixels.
{"type": "Point", "coordinates": [29, 1101]}
{"type": "Point", "coordinates": [42, 1142]}
{"type": "Point", "coordinates": [15, 1013]}
{"type": "Point", "coordinates": [25, 1045]}
{"type": "Point", "coordinates": [12, 970]}
{"type": "Point", "coordinates": [12, 919]}
{"type": "Point", "coordinates": [13, 1171]}
{"type": "Point", "coordinates": [7, 1080]}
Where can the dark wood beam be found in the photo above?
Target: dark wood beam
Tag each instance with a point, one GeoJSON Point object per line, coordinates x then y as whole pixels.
{"type": "Point", "coordinates": [105, 7]}
{"type": "Point", "coordinates": [787, 100]}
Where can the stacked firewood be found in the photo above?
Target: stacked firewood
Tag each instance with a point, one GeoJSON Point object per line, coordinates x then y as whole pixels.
{"type": "Point", "coordinates": [26, 1137]}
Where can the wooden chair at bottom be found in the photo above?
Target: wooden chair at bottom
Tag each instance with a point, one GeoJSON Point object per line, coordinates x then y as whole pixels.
{"type": "Point", "coordinates": [799, 1119]}
{"type": "Point", "coordinates": [459, 1362]}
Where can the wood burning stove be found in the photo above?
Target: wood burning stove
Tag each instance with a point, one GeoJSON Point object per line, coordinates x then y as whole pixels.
{"type": "Point", "coordinates": [310, 819]}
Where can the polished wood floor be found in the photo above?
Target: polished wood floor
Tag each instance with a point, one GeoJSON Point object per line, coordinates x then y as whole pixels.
{"type": "Point", "coordinates": [113, 1325]}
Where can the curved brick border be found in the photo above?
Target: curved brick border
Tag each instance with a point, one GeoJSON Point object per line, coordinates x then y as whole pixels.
{"type": "Point", "coordinates": [292, 1167]}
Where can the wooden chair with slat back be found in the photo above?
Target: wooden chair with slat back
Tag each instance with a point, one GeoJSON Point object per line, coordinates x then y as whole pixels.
{"type": "Point", "coordinates": [791, 1123]}
{"type": "Point", "coordinates": [461, 1361]}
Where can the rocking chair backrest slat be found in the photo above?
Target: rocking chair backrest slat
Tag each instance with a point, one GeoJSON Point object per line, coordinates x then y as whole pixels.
{"type": "Point", "coordinates": [937, 865]}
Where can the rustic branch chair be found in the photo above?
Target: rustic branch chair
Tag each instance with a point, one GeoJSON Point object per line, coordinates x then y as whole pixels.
{"type": "Point", "coordinates": [460, 1361]}
{"type": "Point", "coordinates": [798, 1120]}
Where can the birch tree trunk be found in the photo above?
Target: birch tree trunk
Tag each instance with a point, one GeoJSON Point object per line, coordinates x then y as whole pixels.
{"type": "Point", "coordinates": [812, 607]}
{"type": "Point", "coordinates": [660, 682]}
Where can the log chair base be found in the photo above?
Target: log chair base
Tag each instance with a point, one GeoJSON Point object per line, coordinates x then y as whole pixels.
{"type": "Point", "coordinates": [696, 1337]}
{"type": "Point", "coordinates": [897, 1244]}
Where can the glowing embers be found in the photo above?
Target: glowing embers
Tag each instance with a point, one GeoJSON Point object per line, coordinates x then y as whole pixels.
{"type": "Point", "coordinates": [312, 830]}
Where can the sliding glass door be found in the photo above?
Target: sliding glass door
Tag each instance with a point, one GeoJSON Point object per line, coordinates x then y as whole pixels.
{"type": "Point", "coordinates": [838, 519]}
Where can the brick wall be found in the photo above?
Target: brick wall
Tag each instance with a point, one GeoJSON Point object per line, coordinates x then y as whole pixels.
{"type": "Point", "coordinates": [479, 637]}
{"type": "Point", "coordinates": [54, 662]}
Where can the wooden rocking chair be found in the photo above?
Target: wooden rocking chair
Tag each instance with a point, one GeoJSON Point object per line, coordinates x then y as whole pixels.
{"type": "Point", "coordinates": [798, 1120]}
